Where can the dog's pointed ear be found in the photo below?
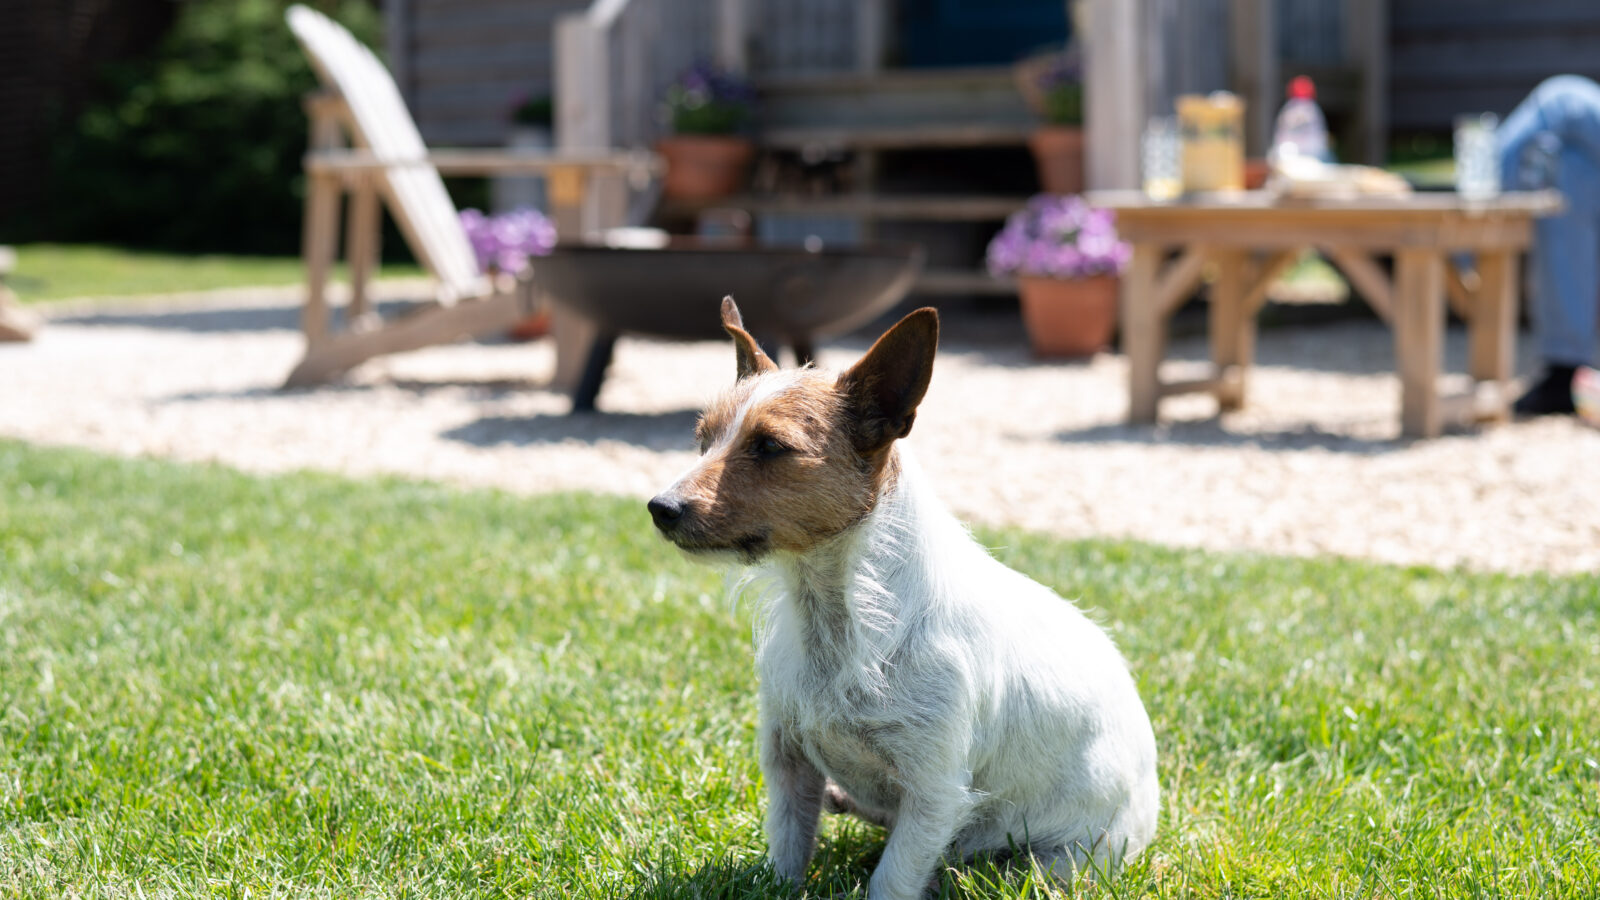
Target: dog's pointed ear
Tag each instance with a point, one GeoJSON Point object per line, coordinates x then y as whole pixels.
{"type": "Point", "coordinates": [751, 360]}
{"type": "Point", "coordinates": [886, 386]}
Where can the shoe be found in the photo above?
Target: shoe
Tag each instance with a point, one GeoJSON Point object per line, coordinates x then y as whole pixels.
{"type": "Point", "coordinates": [1586, 395]}
{"type": "Point", "coordinates": [1550, 395]}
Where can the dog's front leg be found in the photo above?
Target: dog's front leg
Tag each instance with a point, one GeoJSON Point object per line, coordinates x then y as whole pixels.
{"type": "Point", "coordinates": [794, 803]}
{"type": "Point", "coordinates": [924, 826]}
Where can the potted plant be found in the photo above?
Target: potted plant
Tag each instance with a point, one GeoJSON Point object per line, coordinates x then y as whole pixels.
{"type": "Point", "coordinates": [1066, 257]}
{"type": "Point", "coordinates": [504, 244]}
{"type": "Point", "coordinates": [1052, 85]}
{"type": "Point", "coordinates": [707, 153]}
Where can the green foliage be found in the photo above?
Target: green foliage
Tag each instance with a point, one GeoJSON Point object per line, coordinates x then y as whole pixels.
{"type": "Point", "coordinates": [1063, 105]}
{"type": "Point", "coordinates": [199, 146]}
{"type": "Point", "coordinates": [219, 685]}
{"type": "Point", "coordinates": [538, 110]}
{"type": "Point", "coordinates": [711, 118]}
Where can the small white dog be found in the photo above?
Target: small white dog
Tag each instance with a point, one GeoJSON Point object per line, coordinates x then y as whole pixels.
{"type": "Point", "coordinates": [906, 676]}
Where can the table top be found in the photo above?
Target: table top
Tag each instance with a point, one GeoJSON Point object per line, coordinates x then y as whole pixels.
{"type": "Point", "coordinates": [1262, 220]}
{"type": "Point", "coordinates": [1521, 203]}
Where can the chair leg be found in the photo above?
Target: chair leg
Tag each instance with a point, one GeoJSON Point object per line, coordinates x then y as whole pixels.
{"type": "Point", "coordinates": [319, 244]}
{"type": "Point", "coordinates": [361, 247]}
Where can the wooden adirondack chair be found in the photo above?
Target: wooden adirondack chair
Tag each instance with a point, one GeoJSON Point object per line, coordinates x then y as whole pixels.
{"type": "Point", "coordinates": [365, 144]}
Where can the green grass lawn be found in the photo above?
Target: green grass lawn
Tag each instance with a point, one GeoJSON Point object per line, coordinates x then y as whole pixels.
{"type": "Point", "coordinates": [222, 685]}
{"type": "Point", "coordinates": [59, 271]}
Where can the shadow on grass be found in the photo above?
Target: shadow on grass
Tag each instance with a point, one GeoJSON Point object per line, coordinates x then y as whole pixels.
{"type": "Point", "coordinates": [844, 862]}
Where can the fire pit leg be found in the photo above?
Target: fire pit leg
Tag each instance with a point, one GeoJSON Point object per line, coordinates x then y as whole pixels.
{"type": "Point", "coordinates": [804, 350]}
{"type": "Point", "coordinates": [594, 372]}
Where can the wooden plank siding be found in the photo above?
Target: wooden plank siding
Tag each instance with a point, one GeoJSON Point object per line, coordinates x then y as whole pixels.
{"type": "Point", "coordinates": [1457, 56]}
{"type": "Point", "coordinates": [805, 37]}
{"type": "Point", "coordinates": [1186, 50]}
{"type": "Point", "coordinates": [462, 63]}
{"type": "Point", "coordinates": [466, 62]}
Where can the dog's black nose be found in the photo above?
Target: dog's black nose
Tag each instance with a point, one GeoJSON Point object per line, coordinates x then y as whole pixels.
{"type": "Point", "coordinates": [666, 511]}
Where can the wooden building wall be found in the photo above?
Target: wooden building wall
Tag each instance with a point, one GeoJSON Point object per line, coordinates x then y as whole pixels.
{"type": "Point", "coordinates": [1457, 56]}
{"type": "Point", "coordinates": [462, 64]}
{"type": "Point", "coordinates": [795, 37]}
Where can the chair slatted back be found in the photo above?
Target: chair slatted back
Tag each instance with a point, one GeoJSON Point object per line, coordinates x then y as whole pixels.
{"type": "Point", "coordinates": [382, 125]}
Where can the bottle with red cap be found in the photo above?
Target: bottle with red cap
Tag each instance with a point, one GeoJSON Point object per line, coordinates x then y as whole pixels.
{"type": "Point", "coordinates": [1301, 129]}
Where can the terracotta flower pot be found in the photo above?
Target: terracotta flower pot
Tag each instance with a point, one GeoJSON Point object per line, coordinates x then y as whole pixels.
{"type": "Point", "coordinates": [532, 327]}
{"type": "Point", "coordinates": [1058, 154]}
{"type": "Point", "coordinates": [1069, 317]}
{"type": "Point", "coordinates": [1256, 171]}
{"type": "Point", "coordinates": [703, 166]}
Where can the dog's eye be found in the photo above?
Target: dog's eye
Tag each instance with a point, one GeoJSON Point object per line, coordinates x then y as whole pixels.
{"type": "Point", "coordinates": [767, 447]}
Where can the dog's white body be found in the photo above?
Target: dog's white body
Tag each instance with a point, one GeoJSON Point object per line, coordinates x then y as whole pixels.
{"type": "Point", "coordinates": [950, 697]}
{"type": "Point", "coordinates": [906, 675]}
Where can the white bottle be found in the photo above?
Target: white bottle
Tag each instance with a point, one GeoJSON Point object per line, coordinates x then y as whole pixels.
{"type": "Point", "coordinates": [1301, 131]}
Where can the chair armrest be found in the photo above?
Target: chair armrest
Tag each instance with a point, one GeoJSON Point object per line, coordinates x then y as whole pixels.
{"type": "Point", "coordinates": [637, 164]}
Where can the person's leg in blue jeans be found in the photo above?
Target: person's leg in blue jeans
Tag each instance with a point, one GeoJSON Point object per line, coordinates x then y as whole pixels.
{"type": "Point", "coordinates": [1552, 139]}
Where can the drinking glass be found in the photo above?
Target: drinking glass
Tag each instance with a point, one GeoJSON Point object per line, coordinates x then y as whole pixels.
{"type": "Point", "coordinates": [1477, 162]}
{"type": "Point", "coordinates": [1160, 154]}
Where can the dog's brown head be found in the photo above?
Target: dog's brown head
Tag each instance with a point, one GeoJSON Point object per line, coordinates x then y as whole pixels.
{"type": "Point", "coordinates": [791, 458]}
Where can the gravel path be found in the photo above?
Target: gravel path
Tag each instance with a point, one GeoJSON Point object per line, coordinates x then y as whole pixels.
{"type": "Point", "coordinates": [1312, 466]}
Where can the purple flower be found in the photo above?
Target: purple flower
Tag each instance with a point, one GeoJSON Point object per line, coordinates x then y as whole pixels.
{"type": "Point", "coordinates": [503, 243]}
{"type": "Point", "coordinates": [1058, 236]}
{"type": "Point", "coordinates": [706, 99]}
{"type": "Point", "coordinates": [1064, 69]}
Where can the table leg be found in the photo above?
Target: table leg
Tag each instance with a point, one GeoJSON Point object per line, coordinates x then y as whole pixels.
{"type": "Point", "coordinates": [1143, 332]}
{"type": "Point", "coordinates": [1492, 328]}
{"type": "Point", "coordinates": [1419, 338]}
{"type": "Point", "coordinates": [1232, 327]}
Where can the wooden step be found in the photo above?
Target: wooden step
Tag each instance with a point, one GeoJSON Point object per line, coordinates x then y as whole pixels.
{"type": "Point", "coordinates": [884, 207]}
{"type": "Point", "coordinates": [921, 136]}
{"type": "Point", "coordinates": [900, 81]}
{"type": "Point", "coordinates": [960, 107]}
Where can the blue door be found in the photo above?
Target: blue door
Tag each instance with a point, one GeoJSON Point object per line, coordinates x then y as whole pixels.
{"type": "Point", "coordinates": [977, 32]}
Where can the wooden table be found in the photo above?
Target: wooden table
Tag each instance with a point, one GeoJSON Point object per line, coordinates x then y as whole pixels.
{"type": "Point", "coordinates": [1246, 240]}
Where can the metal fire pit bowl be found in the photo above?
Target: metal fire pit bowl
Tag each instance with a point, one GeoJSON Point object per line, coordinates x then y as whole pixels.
{"type": "Point", "coordinates": [786, 294]}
